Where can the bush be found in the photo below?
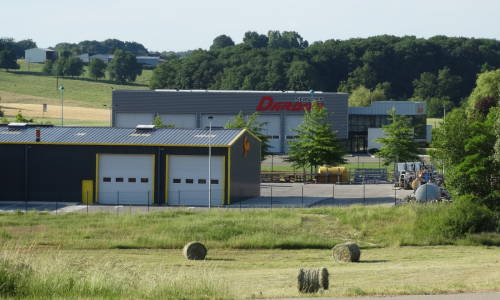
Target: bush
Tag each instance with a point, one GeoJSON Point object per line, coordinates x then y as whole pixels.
{"type": "Point", "coordinates": [14, 278]}
{"type": "Point", "coordinates": [468, 216]}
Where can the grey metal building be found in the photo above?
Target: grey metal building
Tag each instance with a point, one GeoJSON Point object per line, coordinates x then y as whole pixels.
{"type": "Point", "coordinates": [127, 165]}
{"type": "Point", "coordinates": [365, 123]}
{"type": "Point", "coordinates": [281, 111]}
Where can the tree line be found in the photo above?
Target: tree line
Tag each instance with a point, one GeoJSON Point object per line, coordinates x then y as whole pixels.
{"type": "Point", "coordinates": [439, 70]}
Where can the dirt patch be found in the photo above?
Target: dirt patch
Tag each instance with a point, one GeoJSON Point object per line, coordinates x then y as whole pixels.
{"type": "Point", "coordinates": [54, 111]}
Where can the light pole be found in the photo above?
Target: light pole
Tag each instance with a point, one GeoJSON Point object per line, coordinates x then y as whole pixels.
{"type": "Point", "coordinates": [61, 89]}
{"type": "Point", "coordinates": [210, 161]}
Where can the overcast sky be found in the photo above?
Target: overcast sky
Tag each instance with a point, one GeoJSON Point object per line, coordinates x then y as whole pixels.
{"type": "Point", "coordinates": [187, 24]}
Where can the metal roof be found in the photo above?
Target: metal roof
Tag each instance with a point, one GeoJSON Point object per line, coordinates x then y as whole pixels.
{"type": "Point", "coordinates": [118, 136]}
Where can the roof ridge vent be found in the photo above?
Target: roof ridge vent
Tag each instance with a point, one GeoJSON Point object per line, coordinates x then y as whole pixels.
{"type": "Point", "coordinates": [17, 125]}
{"type": "Point", "coordinates": [144, 127]}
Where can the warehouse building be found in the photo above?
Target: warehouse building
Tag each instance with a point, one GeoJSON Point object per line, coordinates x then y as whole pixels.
{"type": "Point", "coordinates": [39, 55]}
{"type": "Point", "coordinates": [365, 123]}
{"type": "Point", "coordinates": [281, 111]}
{"type": "Point", "coordinates": [140, 166]}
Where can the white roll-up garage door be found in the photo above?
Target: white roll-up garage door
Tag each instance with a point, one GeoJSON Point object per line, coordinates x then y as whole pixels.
{"type": "Point", "coordinates": [218, 121]}
{"type": "Point", "coordinates": [272, 130]}
{"type": "Point", "coordinates": [292, 122]}
{"type": "Point", "coordinates": [131, 120]}
{"type": "Point", "coordinates": [179, 120]}
{"type": "Point", "coordinates": [125, 179]}
{"type": "Point", "coordinates": [188, 180]}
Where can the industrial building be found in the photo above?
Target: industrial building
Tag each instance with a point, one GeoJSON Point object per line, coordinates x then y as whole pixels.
{"type": "Point", "coordinates": [357, 127]}
{"type": "Point", "coordinates": [140, 166]}
{"type": "Point", "coordinates": [39, 55]}
{"type": "Point", "coordinates": [281, 111]}
{"type": "Point", "coordinates": [365, 123]}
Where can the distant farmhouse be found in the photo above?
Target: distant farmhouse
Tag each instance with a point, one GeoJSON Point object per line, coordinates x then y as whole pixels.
{"type": "Point", "coordinates": [39, 55]}
{"type": "Point", "coordinates": [147, 61]}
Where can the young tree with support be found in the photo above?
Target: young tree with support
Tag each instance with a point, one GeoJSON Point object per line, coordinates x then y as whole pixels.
{"type": "Point", "coordinates": [398, 143]}
{"type": "Point", "coordinates": [317, 143]}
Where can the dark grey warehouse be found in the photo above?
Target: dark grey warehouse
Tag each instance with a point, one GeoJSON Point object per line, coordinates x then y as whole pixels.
{"type": "Point", "coordinates": [281, 111]}
{"type": "Point", "coordinates": [143, 165]}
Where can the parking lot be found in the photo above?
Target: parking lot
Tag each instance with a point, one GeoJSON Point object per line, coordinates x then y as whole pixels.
{"type": "Point", "coordinates": [276, 195]}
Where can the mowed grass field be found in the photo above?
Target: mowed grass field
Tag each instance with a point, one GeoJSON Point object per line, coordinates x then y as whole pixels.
{"type": "Point", "coordinates": [251, 254]}
{"type": "Point", "coordinates": [78, 91]}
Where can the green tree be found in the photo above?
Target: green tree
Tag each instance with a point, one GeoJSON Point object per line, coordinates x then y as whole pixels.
{"type": "Point", "coordinates": [158, 123]}
{"type": "Point", "coordinates": [97, 68]}
{"type": "Point", "coordinates": [398, 143]}
{"type": "Point", "coordinates": [251, 124]}
{"type": "Point", "coordinates": [255, 40]}
{"type": "Point", "coordinates": [487, 85]}
{"type": "Point", "coordinates": [8, 60]}
{"type": "Point", "coordinates": [73, 66]}
{"type": "Point", "coordinates": [362, 96]}
{"type": "Point", "coordinates": [221, 41]}
{"type": "Point", "coordinates": [124, 67]}
{"type": "Point", "coordinates": [299, 76]}
{"type": "Point", "coordinates": [48, 67]}
{"type": "Point", "coordinates": [317, 143]}
{"type": "Point", "coordinates": [497, 132]}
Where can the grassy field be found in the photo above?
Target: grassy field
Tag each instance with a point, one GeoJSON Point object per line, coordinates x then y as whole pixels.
{"type": "Point", "coordinates": [252, 254]}
{"type": "Point", "coordinates": [79, 91]}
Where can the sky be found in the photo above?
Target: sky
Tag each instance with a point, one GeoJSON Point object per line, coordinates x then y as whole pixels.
{"type": "Point", "coordinates": [187, 24]}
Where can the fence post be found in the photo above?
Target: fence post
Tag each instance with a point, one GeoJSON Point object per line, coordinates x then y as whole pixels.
{"type": "Point", "coordinates": [333, 191]}
{"type": "Point", "coordinates": [179, 197]}
{"type": "Point", "coordinates": [364, 196]}
{"type": "Point", "coordinates": [395, 196]}
{"type": "Point", "coordinates": [302, 196]}
{"type": "Point", "coordinates": [271, 197]}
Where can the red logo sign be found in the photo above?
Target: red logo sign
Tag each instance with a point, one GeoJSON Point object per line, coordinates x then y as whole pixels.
{"type": "Point", "coordinates": [268, 103]}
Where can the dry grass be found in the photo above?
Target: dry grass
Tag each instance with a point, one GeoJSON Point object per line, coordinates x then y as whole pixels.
{"type": "Point", "coordinates": [54, 111]}
{"type": "Point", "coordinates": [272, 273]}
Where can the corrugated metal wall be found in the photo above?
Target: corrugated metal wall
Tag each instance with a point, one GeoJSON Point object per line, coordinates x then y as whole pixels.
{"type": "Point", "coordinates": [220, 102]}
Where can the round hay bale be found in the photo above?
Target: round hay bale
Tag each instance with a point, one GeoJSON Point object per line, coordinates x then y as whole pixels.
{"type": "Point", "coordinates": [347, 252]}
{"type": "Point", "coordinates": [195, 251]}
{"type": "Point", "coordinates": [324, 278]}
{"type": "Point", "coordinates": [312, 280]}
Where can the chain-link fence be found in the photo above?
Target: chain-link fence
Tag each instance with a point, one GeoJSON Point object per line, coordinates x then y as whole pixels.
{"type": "Point", "coordinates": [286, 195]}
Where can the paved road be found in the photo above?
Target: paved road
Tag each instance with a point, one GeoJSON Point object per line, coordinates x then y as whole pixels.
{"type": "Point", "coordinates": [475, 296]}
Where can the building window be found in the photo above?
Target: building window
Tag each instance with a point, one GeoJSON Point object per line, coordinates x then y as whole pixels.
{"type": "Point", "coordinates": [131, 180]}
{"type": "Point", "coordinates": [202, 181]}
{"type": "Point", "coordinates": [214, 181]}
{"type": "Point", "coordinates": [119, 179]}
{"type": "Point", "coordinates": [144, 180]}
{"type": "Point", "coordinates": [176, 180]}
{"type": "Point", "coordinates": [190, 181]}
{"type": "Point", "coordinates": [106, 179]}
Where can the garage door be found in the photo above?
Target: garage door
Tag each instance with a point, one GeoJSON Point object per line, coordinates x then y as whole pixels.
{"type": "Point", "coordinates": [131, 120]}
{"type": "Point", "coordinates": [188, 180]}
{"type": "Point", "coordinates": [291, 122]}
{"type": "Point", "coordinates": [272, 130]}
{"type": "Point", "coordinates": [125, 179]}
{"type": "Point", "coordinates": [218, 121]}
{"type": "Point", "coordinates": [179, 120]}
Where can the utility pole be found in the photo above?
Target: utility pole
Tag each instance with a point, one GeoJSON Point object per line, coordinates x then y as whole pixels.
{"type": "Point", "coordinates": [61, 89]}
{"type": "Point", "coordinates": [210, 161]}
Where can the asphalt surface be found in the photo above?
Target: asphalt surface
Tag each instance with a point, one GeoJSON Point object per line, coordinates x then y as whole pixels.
{"type": "Point", "coordinates": [274, 195]}
{"type": "Point", "coordinates": [469, 296]}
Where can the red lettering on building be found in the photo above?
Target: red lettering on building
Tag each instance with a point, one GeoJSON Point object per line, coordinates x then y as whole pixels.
{"type": "Point", "coordinates": [268, 103]}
